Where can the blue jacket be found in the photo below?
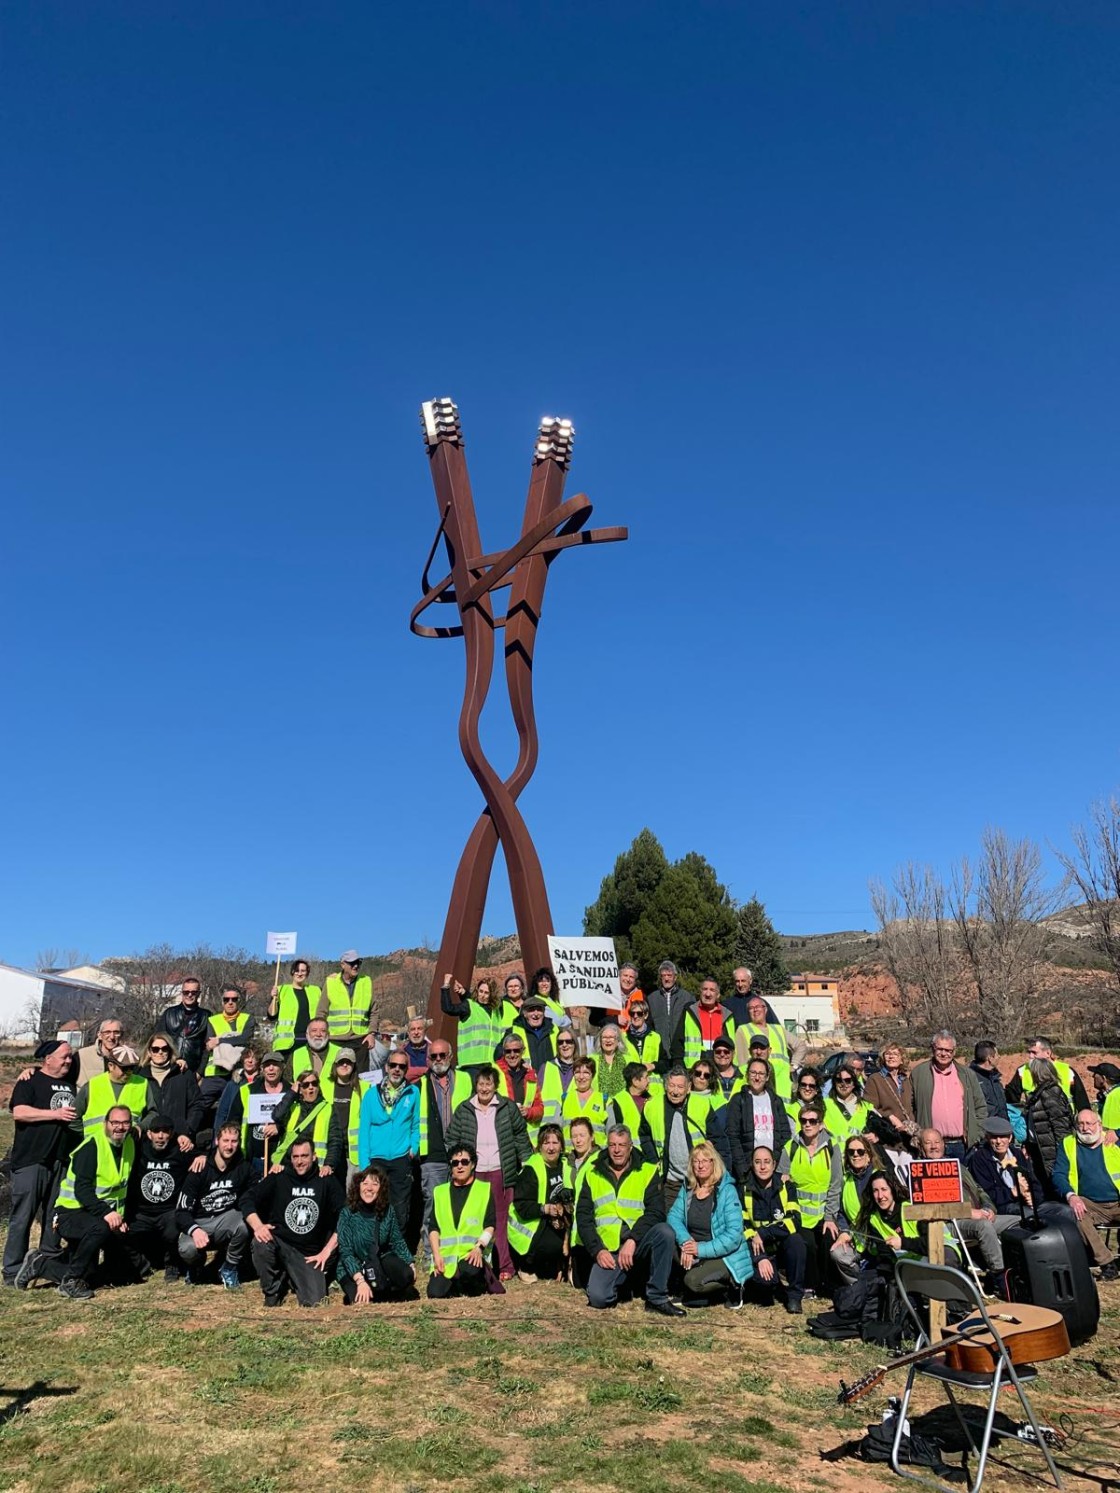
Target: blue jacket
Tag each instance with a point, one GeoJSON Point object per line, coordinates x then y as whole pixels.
{"type": "Point", "coordinates": [727, 1242]}
{"type": "Point", "coordinates": [388, 1134]}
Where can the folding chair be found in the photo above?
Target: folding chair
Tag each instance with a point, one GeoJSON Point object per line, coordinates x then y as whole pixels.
{"type": "Point", "coordinates": [942, 1283]}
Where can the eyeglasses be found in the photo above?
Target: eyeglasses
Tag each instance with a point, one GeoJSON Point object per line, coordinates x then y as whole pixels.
{"type": "Point", "coordinates": [462, 1161]}
{"type": "Point", "coordinates": [565, 1041]}
{"type": "Point", "coordinates": [230, 1000]}
{"type": "Point", "coordinates": [440, 1054]}
{"type": "Point", "coordinates": [192, 990]}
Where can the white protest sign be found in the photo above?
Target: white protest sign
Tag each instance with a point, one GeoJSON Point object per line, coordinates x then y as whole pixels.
{"type": "Point", "coordinates": [280, 943]}
{"type": "Point", "coordinates": [261, 1107]}
{"type": "Point", "coordinates": [586, 971]}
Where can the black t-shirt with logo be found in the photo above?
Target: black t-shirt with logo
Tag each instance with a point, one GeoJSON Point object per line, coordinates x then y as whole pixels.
{"type": "Point", "coordinates": [156, 1179]}
{"type": "Point", "coordinates": [211, 1192]}
{"type": "Point", "coordinates": [303, 1211]}
{"type": "Point", "coordinates": [42, 1142]}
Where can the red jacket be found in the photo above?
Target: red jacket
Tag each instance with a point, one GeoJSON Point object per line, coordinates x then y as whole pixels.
{"type": "Point", "coordinates": [534, 1111]}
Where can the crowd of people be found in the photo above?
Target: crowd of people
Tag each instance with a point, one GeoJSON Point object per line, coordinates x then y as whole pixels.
{"type": "Point", "coordinates": [678, 1149]}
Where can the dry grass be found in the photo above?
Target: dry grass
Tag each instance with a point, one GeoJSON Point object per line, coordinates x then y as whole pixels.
{"type": "Point", "coordinates": [172, 1389]}
{"type": "Point", "coordinates": [169, 1389]}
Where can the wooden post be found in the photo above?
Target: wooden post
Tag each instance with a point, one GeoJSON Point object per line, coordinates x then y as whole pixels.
{"type": "Point", "coordinates": [934, 1213]}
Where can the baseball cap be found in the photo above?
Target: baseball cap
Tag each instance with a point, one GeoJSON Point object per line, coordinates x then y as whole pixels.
{"type": "Point", "coordinates": [349, 956]}
{"type": "Point", "coordinates": [153, 1121]}
{"type": "Point", "coordinates": [1106, 1070]}
{"type": "Point", "coordinates": [273, 1057]}
{"type": "Point", "coordinates": [723, 1042]}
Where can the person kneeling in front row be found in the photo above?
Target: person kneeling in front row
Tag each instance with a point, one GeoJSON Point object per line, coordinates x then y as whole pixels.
{"type": "Point", "coordinates": [462, 1239]}
{"type": "Point", "coordinates": [90, 1214]}
{"type": "Point", "coordinates": [374, 1263]}
{"type": "Point", "coordinates": [620, 1214]}
{"type": "Point", "coordinates": [293, 1214]}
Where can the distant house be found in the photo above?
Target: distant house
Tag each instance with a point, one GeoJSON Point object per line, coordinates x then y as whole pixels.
{"type": "Point", "coordinates": [813, 985]}
{"type": "Point", "coordinates": [811, 1004]}
{"type": "Point", "coordinates": [34, 1004]}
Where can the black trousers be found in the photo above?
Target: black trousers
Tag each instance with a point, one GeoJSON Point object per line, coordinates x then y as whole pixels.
{"type": "Point", "coordinates": [789, 1255]}
{"type": "Point", "coordinates": [153, 1239]}
{"type": "Point", "coordinates": [393, 1276]}
{"type": "Point", "coordinates": [279, 1265]}
{"type": "Point", "coordinates": [545, 1255]}
{"type": "Point", "coordinates": [400, 1186]}
{"type": "Point", "coordinates": [468, 1280]}
{"type": "Point", "coordinates": [87, 1235]}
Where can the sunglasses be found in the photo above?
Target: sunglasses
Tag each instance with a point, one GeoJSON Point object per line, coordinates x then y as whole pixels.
{"type": "Point", "coordinates": [513, 1052]}
{"type": "Point", "coordinates": [465, 1161]}
{"type": "Point", "coordinates": [230, 1000]}
{"type": "Point", "coordinates": [805, 1120]}
{"type": "Point", "coordinates": [565, 1041]}
{"type": "Point", "coordinates": [159, 1049]}
{"type": "Point", "coordinates": [311, 1083]}
{"type": "Point", "coordinates": [856, 1151]}
{"type": "Point", "coordinates": [397, 1067]}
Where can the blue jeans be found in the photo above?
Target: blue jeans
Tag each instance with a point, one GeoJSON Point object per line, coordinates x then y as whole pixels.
{"type": "Point", "coordinates": [654, 1256]}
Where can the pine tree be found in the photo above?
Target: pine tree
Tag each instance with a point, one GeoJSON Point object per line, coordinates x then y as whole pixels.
{"type": "Point", "coordinates": [690, 919]}
{"type": "Point", "coordinates": [759, 947]}
{"type": "Point", "coordinates": [626, 891]}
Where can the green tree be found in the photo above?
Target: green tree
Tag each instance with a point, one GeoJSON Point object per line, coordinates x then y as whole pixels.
{"type": "Point", "coordinates": [759, 947]}
{"type": "Point", "coordinates": [626, 892]}
{"type": "Point", "coordinates": [690, 919]}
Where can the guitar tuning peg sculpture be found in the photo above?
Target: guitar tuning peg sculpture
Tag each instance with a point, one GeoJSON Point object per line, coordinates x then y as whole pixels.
{"type": "Point", "coordinates": [550, 525]}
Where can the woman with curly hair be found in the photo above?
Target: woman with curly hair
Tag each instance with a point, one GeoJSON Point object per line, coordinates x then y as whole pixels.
{"type": "Point", "coordinates": [374, 1262]}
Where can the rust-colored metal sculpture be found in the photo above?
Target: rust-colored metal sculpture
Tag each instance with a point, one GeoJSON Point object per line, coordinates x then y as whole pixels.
{"type": "Point", "coordinates": [550, 525]}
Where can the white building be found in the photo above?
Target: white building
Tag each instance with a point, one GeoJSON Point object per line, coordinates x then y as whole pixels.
{"type": "Point", "coordinates": [26, 995]}
{"type": "Point", "coordinates": [815, 1015]}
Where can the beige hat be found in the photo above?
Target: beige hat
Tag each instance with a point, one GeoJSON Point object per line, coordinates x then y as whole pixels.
{"type": "Point", "coordinates": [126, 1056]}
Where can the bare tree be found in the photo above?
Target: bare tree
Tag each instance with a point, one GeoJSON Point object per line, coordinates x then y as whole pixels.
{"type": "Point", "coordinates": [51, 959]}
{"type": "Point", "coordinates": [918, 942]}
{"type": "Point", "coordinates": [998, 905]}
{"type": "Point", "coordinates": [1093, 867]}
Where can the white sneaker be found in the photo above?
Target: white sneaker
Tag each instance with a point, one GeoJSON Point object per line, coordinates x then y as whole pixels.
{"type": "Point", "coordinates": [526, 1278]}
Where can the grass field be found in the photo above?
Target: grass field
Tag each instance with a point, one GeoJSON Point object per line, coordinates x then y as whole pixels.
{"type": "Point", "coordinates": [171, 1389]}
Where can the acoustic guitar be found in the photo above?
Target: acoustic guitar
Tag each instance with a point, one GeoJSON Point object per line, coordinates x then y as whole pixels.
{"type": "Point", "coordinates": [1031, 1334]}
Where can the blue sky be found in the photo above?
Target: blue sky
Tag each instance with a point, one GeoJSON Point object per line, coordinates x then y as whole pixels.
{"type": "Point", "coordinates": [830, 295]}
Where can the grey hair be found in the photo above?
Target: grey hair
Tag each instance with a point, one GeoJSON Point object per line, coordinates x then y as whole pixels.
{"type": "Point", "coordinates": [678, 1070]}
{"type": "Point", "coordinates": [944, 1035]}
{"type": "Point", "coordinates": [628, 965]}
{"type": "Point", "coordinates": [610, 1026]}
{"type": "Point", "coordinates": [621, 1130]}
{"type": "Point", "coordinates": [667, 964]}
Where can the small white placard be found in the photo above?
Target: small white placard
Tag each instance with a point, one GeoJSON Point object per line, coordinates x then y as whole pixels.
{"type": "Point", "coordinates": [280, 943]}
{"type": "Point", "coordinates": [261, 1107]}
{"type": "Point", "coordinates": [586, 971]}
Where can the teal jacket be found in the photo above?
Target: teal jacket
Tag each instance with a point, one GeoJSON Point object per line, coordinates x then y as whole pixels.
{"type": "Point", "coordinates": [727, 1242]}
